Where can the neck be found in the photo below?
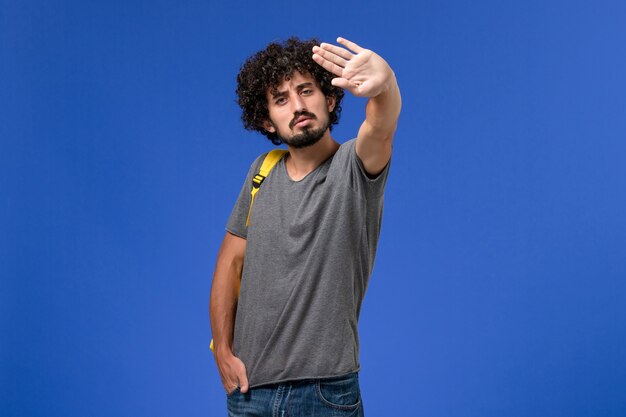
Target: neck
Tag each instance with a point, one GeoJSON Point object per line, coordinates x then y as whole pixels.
{"type": "Point", "coordinates": [302, 161]}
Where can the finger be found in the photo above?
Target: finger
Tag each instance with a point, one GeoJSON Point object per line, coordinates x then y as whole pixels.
{"type": "Point", "coordinates": [230, 387]}
{"type": "Point", "coordinates": [228, 384]}
{"type": "Point", "coordinates": [350, 45]}
{"type": "Point", "coordinates": [332, 57]}
{"type": "Point", "coordinates": [341, 83]}
{"type": "Point", "coordinates": [344, 53]}
{"type": "Point", "coordinates": [328, 66]}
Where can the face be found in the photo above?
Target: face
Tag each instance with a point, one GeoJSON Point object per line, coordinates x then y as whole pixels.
{"type": "Point", "coordinates": [299, 111]}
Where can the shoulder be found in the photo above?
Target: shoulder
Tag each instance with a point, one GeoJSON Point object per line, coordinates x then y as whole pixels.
{"type": "Point", "coordinates": [347, 157]}
{"type": "Point", "coordinates": [345, 153]}
{"type": "Point", "coordinates": [255, 166]}
{"type": "Point", "coordinates": [268, 157]}
{"type": "Point", "coordinates": [347, 164]}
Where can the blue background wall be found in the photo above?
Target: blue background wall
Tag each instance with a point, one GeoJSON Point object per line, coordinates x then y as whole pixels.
{"type": "Point", "coordinates": [500, 284]}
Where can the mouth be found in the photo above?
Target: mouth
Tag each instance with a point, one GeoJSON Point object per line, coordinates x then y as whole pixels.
{"type": "Point", "coordinates": [301, 121]}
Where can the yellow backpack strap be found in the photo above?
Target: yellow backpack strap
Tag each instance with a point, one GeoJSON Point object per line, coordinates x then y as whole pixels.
{"type": "Point", "coordinates": [271, 159]}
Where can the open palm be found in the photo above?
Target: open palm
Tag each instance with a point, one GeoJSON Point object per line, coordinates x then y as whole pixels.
{"type": "Point", "coordinates": [360, 71]}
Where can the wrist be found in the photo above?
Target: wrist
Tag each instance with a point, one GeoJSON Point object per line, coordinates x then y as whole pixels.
{"type": "Point", "coordinates": [391, 83]}
{"type": "Point", "coordinates": [222, 350]}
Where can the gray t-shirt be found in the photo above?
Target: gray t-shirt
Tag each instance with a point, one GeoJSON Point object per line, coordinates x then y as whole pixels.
{"type": "Point", "coordinates": [310, 251]}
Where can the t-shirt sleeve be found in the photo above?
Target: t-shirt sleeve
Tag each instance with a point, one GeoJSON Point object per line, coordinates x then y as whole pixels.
{"type": "Point", "coordinates": [237, 221]}
{"type": "Point", "coordinates": [359, 180]}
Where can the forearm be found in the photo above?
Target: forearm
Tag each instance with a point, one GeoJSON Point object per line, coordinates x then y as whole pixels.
{"type": "Point", "coordinates": [374, 141]}
{"type": "Point", "coordinates": [382, 112]}
{"type": "Point", "coordinates": [223, 308]}
{"type": "Point", "coordinates": [225, 294]}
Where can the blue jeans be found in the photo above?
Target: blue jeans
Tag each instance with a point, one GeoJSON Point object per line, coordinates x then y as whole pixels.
{"type": "Point", "coordinates": [332, 397]}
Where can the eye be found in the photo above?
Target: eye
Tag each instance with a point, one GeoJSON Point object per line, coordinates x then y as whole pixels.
{"type": "Point", "coordinates": [281, 100]}
{"type": "Point", "coordinates": [306, 92]}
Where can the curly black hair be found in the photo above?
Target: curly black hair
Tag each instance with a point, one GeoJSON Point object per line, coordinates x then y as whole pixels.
{"type": "Point", "coordinates": [267, 69]}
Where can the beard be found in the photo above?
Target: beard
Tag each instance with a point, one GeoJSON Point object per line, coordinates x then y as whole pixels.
{"type": "Point", "coordinates": [309, 136]}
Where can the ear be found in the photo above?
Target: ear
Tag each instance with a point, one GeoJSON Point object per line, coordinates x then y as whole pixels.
{"type": "Point", "coordinates": [269, 126]}
{"type": "Point", "coordinates": [330, 102]}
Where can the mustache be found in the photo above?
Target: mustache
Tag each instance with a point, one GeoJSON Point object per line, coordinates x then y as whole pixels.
{"type": "Point", "coordinates": [298, 114]}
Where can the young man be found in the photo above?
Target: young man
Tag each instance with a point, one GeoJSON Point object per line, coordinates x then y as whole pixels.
{"type": "Point", "coordinates": [293, 268]}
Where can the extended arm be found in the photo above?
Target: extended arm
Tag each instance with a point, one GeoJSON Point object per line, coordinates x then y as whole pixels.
{"type": "Point", "coordinates": [223, 306]}
{"type": "Point", "coordinates": [366, 74]}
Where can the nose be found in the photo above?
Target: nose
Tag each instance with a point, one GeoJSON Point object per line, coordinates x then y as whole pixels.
{"type": "Point", "coordinates": [298, 103]}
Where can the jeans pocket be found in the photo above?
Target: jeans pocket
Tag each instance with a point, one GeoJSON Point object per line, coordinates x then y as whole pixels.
{"type": "Point", "coordinates": [342, 393]}
{"type": "Point", "coordinates": [233, 392]}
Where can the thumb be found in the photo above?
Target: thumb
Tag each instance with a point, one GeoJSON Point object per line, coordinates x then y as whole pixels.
{"type": "Point", "coordinates": [341, 83]}
{"type": "Point", "coordinates": [243, 380]}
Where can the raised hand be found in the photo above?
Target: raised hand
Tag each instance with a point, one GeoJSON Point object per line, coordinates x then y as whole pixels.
{"type": "Point", "coordinates": [360, 71]}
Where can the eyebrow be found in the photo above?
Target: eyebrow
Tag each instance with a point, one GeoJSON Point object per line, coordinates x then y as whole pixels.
{"type": "Point", "coordinates": [277, 93]}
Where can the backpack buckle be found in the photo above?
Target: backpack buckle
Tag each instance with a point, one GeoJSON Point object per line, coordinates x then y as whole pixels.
{"type": "Point", "coordinates": [257, 180]}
